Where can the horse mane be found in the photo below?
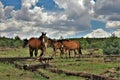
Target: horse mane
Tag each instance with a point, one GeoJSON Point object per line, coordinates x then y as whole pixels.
{"type": "Point", "coordinates": [40, 38]}
{"type": "Point", "coordinates": [53, 40]}
{"type": "Point", "coordinates": [61, 40]}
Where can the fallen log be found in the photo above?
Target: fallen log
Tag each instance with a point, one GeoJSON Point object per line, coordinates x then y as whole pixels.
{"type": "Point", "coordinates": [81, 74]}
{"type": "Point", "coordinates": [33, 68]}
{"type": "Point", "coordinates": [111, 59]}
{"type": "Point", "coordinates": [4, 59]}
{"type": "Point", "coordinates": [36, 66]}
{"type": "Point", "coordinates": [18, 65]}
{"type": "Point", "coordinates": [45, 59]}
{"type": "Point", "coordinates": [112, 72]}
{"type": "Point", "coordinates": [42, 74]}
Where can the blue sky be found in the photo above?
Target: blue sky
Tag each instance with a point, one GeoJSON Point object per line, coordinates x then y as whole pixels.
{"type": "Point", "coordinates": [15, 3]}
{"type": "Point", "coordinates": [81, 18]}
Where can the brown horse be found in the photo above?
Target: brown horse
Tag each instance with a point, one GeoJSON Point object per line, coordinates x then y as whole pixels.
{"type": "Point", "coordinates": [71, 45]}
{"type": "Point", "coordinates": [35, 44]}
{"type": "Point", "coordinates": [55, 45]}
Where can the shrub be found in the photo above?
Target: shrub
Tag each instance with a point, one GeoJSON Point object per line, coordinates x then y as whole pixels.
{"type": "Point", "coordinates": [111, 46]}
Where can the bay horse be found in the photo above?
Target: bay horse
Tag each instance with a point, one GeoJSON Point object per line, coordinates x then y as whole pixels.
{"type": "Point", "coordinates": [55, 45]}
{"type": "Point", "coordinates": [71, 45]}
{"type": "Point", "coordinates": [35, 44]}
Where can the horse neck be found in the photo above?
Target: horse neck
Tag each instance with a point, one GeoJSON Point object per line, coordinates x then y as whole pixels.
{"type": "Point", "coordinates": [42, 39]}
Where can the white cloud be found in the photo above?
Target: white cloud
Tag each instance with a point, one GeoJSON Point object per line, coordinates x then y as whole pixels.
{"type": "Point", "coordinates": [113, 24]}
{"type": "Point", "coordinates": [78, 12]}
{"type": "Point", "coordinates": [104, 7]}
{"type": "Point", "coordinates": [117, 33]}
{"type": "Point", "coordinates": [108, 11]}
{"type": "Point", "coordinates": [5, 12]}
{"type": "Point", "coordinates": [3, 26]}
{"type": "Point", "coordinates": [98, 33]}
{"type": "Point", "coordinates": [29, 3]}
{"type": "Point", "coordinates": [74, 17]}
{"type": "Point", "coordinates": [10, 25]}
{"type": "Point", "coordinates": [2, 14]}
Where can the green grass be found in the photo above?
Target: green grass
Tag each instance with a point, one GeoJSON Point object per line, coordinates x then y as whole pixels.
{"type": "Point", "coordinates": [54, 76]}
{"type": "Point", "coordinates": [9, 72]}
{"type": "Point", "coordinates": [93, 65]}
{"type": "Point", "coordinates": [14, 52]}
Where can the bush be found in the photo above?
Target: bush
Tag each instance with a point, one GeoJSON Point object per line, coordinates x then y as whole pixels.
{"type": "Point", "coordinates": [10, 42]}
{"type": "Point", "coordinates": [111, 46]}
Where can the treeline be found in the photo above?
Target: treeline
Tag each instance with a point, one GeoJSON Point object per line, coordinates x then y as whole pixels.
{"type": "Point", "coordinates": [109, 45]}
{"type": "Point", "coordinates": [10, 42]}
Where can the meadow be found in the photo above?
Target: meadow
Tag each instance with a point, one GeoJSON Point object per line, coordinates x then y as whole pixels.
{"type": "Point", "coordinates": [91, 65]}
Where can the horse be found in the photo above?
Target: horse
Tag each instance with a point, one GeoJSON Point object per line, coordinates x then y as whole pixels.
{"type": "Point", "coordinates": [35, 44]}
{"type": "Point", "coordinates": [71, 45]}
{"type": "Point", "coordinates": [55, 45]}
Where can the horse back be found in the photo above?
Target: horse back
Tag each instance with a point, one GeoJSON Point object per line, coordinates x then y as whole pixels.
{"type": "Point", "coordinates": [71, 44]}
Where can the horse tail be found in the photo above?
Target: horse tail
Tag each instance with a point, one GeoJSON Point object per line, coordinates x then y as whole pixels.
{"type": "Point", "coordinates": [80, 52]}
{"type": "Point", "coordinates": [79, 49]}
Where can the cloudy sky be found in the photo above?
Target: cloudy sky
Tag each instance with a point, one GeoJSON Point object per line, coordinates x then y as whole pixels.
{"type": "Point", "coordinates": [67, 18]}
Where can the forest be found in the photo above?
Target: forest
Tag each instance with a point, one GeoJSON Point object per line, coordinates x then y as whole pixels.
{"type": "Point", "coordinates": [109, 45]}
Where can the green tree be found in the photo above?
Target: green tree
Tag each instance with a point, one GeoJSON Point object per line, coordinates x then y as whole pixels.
{"type": "Point", "coordinates": [112, 46]}
{"type": "Point", "coordinates": [17, 38]}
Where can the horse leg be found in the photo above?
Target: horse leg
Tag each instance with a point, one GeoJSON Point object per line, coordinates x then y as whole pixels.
{"type": "Point", "coordinates": [69, 53]}
{"type": "Point", "coordinates": [75, 53]}
{"type": "Point", "coordinates": [65, 52]}
{"type": "Point", "coordinates": [43, 52]}
{"type": "Point", "coordinates": [61, 52]}
{"type": "Point", "coordinates": [54, 54]}
{"type": "Point", "coordinates": [31, 52]}
{"type": "Point", "coordinates": [79, 51]}
{"type": "Point", "coordinates": [36, 52]}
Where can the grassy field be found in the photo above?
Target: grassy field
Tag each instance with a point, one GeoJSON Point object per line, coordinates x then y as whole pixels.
{"type": "Point", "coordinates": [90, 65]}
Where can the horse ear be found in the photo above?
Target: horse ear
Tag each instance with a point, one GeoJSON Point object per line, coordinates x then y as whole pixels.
{"type": "Point", "coordinates": [42, 33]}
{"type": "Point", "coordinates": [45, 33]}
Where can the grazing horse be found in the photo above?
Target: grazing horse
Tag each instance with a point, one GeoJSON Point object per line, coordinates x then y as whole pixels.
{"type": "Point", "coordinates": [55, 45]}
{"type": "Point", "coordinates": [71, 45]}
{"type": "Point", "coordinates": [35, 44]}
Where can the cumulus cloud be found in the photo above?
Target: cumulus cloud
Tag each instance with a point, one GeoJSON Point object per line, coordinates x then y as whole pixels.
{"type": "Point", "coordinates": [29, 3]}
{"type": "Point", "coordinates": [74, 17]}
{"type": "Point", "coordinates": [78, 12]}
{"type": "Point", "coordinates": [108, 11]}
{"type": "Point", "coordinates": [98, 33]}
{"type": "Point", "coordinates": [117, 33]}
{"type": "Point", "coordinates": [1, 11]}
{"type": "Point", "coordinates": [5, 12]}
{"type": "Point", "coordinates": [30, 20]}
{"type": "Point", "coordinates": [113, 24]}
{"type": "Point", "coordinates": [110, 7]}
{"type": "Point", "coordinates": [10, 26]}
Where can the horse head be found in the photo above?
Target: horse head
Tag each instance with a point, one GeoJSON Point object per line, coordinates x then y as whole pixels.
{"type": "Point", "coordinates": [43, 37]}
{"type": "Point", "coordinates": [25, 42]}
{"type": "Point", "coordinates": [43, 40]}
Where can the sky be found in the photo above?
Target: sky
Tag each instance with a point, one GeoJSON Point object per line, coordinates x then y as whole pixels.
{"type": "Point", "coordinates": [66, 18]}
